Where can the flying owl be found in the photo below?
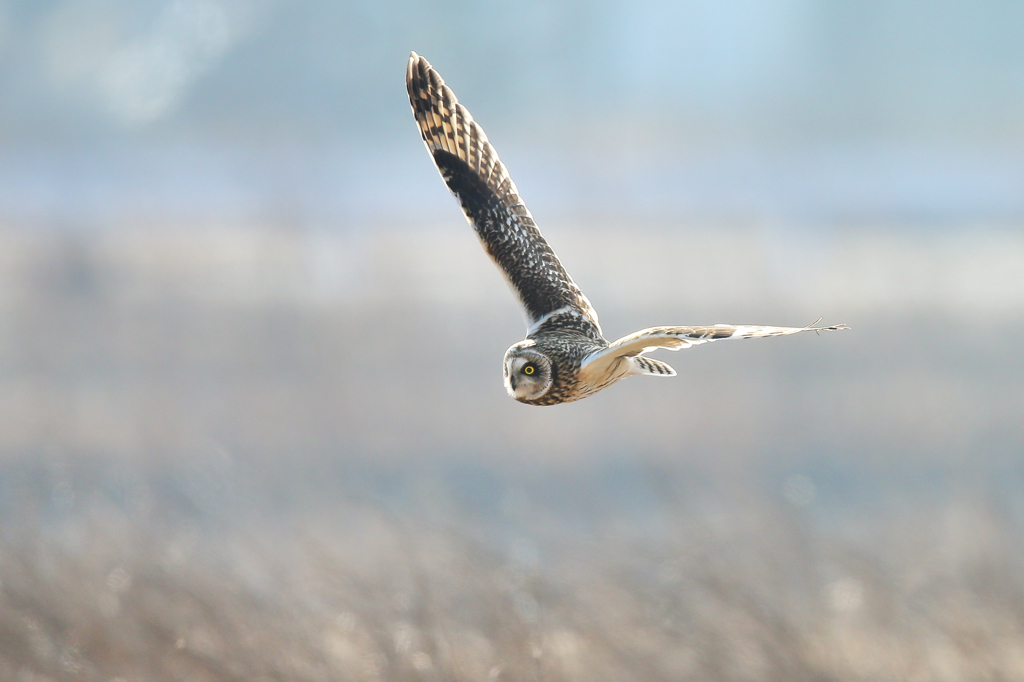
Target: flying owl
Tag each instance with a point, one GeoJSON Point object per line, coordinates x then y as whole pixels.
{"type": "Point", "coordinates": [565, 356]}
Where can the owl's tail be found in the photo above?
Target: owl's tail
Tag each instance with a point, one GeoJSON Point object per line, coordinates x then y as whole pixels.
{"type": "Point", "coordinates": [650, 366]}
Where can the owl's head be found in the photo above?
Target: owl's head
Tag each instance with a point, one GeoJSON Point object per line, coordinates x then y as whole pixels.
{"type": "Point", "coordinates": [527, 372]}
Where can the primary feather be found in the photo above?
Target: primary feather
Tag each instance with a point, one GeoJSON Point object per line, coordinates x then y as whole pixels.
{"type": "Point", "coordinates": [476, 176]}
{"type": "Point", "coordinates": [675, 338]}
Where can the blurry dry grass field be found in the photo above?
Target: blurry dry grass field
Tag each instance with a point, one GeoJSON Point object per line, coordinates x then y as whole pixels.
{"type": "Point", "coordinates": [200, 578]}
{"type": "Point", "coordinates": [209, 473]}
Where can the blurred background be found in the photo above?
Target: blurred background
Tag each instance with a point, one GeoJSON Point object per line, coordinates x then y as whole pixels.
{"type": "Point", "coordinates": [252, 422]}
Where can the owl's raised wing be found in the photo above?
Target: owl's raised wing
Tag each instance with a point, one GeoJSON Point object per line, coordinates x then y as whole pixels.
{"type": "Point", "coordinates": [674, 338]}
{"type": "Point", "coordinates": [474, 174]}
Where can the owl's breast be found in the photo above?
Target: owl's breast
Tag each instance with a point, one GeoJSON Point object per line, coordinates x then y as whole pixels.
{"type": "Point", "coordinates": [566, 350]}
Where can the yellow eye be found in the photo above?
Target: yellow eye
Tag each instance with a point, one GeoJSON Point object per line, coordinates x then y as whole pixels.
{"type": "Point", "coordinates": [528, 369]}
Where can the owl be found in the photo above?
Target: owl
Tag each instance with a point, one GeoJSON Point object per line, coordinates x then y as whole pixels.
{"type": "Point", "coordinates": [565, 356]}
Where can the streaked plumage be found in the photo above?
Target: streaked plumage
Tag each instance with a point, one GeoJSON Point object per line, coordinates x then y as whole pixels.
{"type": "Point", "coordinates": [565, 356]}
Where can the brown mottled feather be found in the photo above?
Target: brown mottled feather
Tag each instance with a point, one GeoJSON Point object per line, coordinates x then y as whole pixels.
{"type": "Point", "coordinates": [471, 169]}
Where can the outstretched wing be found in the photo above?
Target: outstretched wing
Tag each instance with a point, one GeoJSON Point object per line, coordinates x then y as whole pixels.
{"type": "Point", "coordinates": [674, 338]}
{"type": "Point", "coordinates": [471, 169]}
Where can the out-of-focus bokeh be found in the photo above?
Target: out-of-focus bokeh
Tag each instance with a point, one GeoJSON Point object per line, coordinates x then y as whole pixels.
{"type": "Point", "coordinates": [252, 424]}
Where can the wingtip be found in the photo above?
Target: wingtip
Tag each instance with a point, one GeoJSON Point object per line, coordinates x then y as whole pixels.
{"type": "Point", "coordinates": [417, 61]}
{"type": "Point", "coordinates": [416, 64]}
{"type": "Point", "coordinates": [830, 328]}
{"type": "Point", "coordinates": [410, 66]}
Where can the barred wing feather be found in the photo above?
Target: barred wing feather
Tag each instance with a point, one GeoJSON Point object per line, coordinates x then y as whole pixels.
{"type": "Point", "coordinates": [674, 338]}
{"type": "Point", "coordinates": [478, 179]}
